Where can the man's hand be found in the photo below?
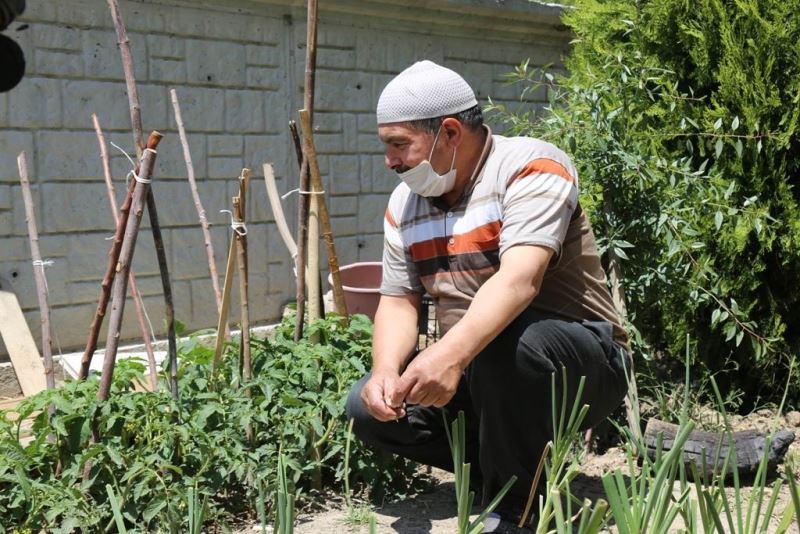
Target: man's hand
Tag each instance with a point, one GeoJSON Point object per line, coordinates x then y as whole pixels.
{"type": "Point", "coordinates": [431, 379]}
{"type": "Point", "coordinates": [376, 396]}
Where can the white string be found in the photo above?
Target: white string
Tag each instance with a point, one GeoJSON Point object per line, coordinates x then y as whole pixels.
{"type": "Point", "coordinates": [238, 226]}
{"type": "Point", "coordinates": [133, 164]}
{"type": "Point", "coordinates": [283, 197]}
{"type": "Point", "coordinates": [43, 264]}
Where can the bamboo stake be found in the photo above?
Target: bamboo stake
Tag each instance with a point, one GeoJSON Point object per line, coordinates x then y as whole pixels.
{"type": "Point", "coordinates": [308, 222]}
{"type": "Point", "coordinates": [311, 57]}
{"type": "Point", "coordinates": [314, 284]}
{"type": "Point", "coordinates": [324, 216]}
{"type": "Point", "coordinates": [138, 137]}
{"type": "Point", "coordinates": [38, 271]}
{"type": "Point", "coordinates": [240, 235]}
{"type": "Point", "coordinates": [137, 297]}
{"type": "Point", "coordinates": [222, 323]}
{"type": "Point", "coordinates": [105, 285]}
{"type": "Point", "coordinates": [124, 264]}
{"type": "Point", "coordinates": [245, 362]}
{"type": "Point", "coordinates": [201, 212]}
{"type": "Point", "coordinates": [303, 215]}
{"type": "Point", "coordinates": [302, 234]}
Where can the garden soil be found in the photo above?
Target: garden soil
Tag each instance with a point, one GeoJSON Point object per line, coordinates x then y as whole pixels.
{"type": "Point", "coordinates": [434, 512]}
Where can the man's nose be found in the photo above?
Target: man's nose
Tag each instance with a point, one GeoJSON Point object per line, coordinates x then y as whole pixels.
{"type": "Point", "coordinates": [391, 162]}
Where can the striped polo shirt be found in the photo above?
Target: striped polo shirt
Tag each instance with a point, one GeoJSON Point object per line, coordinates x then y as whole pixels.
{"type": "Point", "coordinates": [523, 192]}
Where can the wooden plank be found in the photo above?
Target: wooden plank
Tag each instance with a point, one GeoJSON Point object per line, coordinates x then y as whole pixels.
{"type": "Point", "coordinates": [9, 404]}
{"type": "Point", "coordinates": [20, 345]}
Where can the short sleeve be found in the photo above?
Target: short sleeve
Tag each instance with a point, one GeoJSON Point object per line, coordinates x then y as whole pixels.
{"type": "Point", "coordinates": [538, 204]}
{"type": "Point", "coordinates": [400, 275]}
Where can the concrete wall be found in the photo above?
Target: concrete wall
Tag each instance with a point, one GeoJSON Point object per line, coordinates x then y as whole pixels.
{"type": "Point", "coordinates": [238, 69]}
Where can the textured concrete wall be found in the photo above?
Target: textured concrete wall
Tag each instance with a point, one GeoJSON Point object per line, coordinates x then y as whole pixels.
{"type": "Point", "coordinates": [238, 69]}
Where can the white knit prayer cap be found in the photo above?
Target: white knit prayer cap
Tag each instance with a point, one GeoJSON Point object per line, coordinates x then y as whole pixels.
{"type": "Point", "coordinates": [424, 90]}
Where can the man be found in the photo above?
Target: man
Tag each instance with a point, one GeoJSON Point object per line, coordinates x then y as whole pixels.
{"type": "Point", "coordinates": [491, 228]}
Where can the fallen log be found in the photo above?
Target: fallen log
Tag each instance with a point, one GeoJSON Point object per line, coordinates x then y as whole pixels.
{"type": "Point", "coordinates": [710, 449]}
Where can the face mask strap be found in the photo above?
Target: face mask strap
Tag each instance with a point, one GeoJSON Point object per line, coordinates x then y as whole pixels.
{"type": "Point", "coordinates": [435, 139]}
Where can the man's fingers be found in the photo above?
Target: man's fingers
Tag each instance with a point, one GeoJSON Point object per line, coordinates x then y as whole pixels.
{"type": "Point", "coordinates": [420, 395]}
{"type": "Point", "coordinates": [397, 396]}
{"type": "Point", "coordinates": [376, 406]}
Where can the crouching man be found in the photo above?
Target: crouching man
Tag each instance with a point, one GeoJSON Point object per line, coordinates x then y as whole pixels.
{"type": "Point", "coordinates": [491, 228]}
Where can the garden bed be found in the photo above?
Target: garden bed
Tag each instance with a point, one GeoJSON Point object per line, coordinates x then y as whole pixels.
{"type": "Point", "coordinates": [434, 512]}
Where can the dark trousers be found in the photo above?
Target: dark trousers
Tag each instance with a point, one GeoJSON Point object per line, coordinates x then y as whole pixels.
{"type": "Point", "coordinates": [506, 395]}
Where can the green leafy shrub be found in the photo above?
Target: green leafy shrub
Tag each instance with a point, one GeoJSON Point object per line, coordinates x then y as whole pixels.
{"type": "Point", "coordinates": [161, 456]}
{"type": "Point", "coordinates": [684, 121]}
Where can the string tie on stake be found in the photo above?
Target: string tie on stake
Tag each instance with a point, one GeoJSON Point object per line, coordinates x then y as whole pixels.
{"type": "Point", "coordinates": [42, 264]}
{"type": "Point", "coordinates": [132, 172]}
{"type": "Point", "coordinates": [238, 226]}
{"type": "Point", "coordinates": [300, 192]}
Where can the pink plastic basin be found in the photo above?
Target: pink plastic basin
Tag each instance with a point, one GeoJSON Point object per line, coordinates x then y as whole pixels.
{"type": "Point", "coordinates": [361, 283]}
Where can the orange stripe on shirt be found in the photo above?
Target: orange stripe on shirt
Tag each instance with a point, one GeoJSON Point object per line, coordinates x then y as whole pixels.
{"type": "Point", "coordinates": [480, 239]}
{"type": "Point", "coordinates": [390, 219]}
{"type": "Point", "coordinates": [543, 166]}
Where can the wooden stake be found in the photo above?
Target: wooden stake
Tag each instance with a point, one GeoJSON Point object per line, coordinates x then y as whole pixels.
{"type": "Point", "coordinates": [105, 285]}
{"type": "Point", "coordinates": [308, 220]}
{"type": "Point", "coordinates": [315, 310]}
{"type": "Point", "coordinates": [325, 220]}
{"type": "Point", "coordinates": [240, 235]}
{"type": "Point", "coordinates": [138, 137]}
{"type": "Point", "coordinates": [311, 57]}
{"type": "Point", "coordinates": [166, 285]}
{"type": "Point", "coordinates": [137, 297]}
{"type": "Point", "coordinates": [130, 81]}
{"type": "Point", "coordinates": [38, 271]}
{"type": "Point", "coordinates": [222, 323]}
{"type": "Point", "coordinates": [302, 234]}
{"type": "Point", "coordinates": [201, 212]}
{"type": "Point", "coordinates": [124, 264]}
{"type": "Point", "coordinates": [277, 210]}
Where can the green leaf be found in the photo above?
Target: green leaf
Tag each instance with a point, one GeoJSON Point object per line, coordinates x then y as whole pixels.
{"type": "Point", "coordinates": [153, 508]}
{"type": "Point", "coordinates": [718, 147]}
{"type": "Point", "coordinates": [735, 123]}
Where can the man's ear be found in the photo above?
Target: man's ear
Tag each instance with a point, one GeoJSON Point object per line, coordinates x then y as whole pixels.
{"type": "Point", "coordinates": [453, 131]}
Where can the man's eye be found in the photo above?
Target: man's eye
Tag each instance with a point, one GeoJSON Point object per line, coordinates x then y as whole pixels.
{"type": "Point", "coordinates": [399, 145]}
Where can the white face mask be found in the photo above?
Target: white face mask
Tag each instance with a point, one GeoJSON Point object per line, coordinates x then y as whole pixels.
{"type": "Point", "coordinates": [424, 181]}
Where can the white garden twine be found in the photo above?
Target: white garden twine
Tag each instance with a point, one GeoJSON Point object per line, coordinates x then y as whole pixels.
{"type": "Point", "coordinates": [132, 172]}
{"type": "Point", "coordinates": [238, 226]}
{"type": "Point", "coordinates": [42, 264]}
{"type": "Point", "coordinates": [300, 192]}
